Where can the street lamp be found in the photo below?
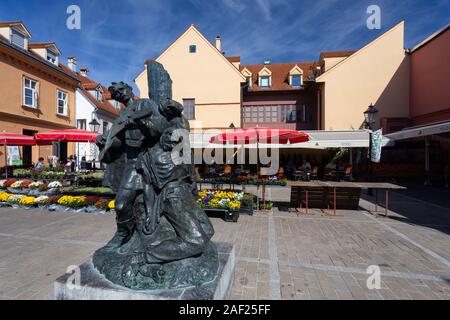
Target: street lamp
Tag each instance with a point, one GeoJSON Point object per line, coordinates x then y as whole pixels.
{"type": "Point", "coordinates": [369, 116]}
{"type": "Point", "coordinates": [94, 125]}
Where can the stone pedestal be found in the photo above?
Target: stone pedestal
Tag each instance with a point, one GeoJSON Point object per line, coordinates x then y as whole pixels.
{"type": "Point", "coordinates": [94, 286]}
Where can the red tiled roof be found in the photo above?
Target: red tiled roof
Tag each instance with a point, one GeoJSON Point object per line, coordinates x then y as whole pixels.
{"type": "Point", "coordinates": [87, 84]}
{"type": "Point", "coordinates": [280, 74]}
{"type": "Point", "coordinates": [336, 54]}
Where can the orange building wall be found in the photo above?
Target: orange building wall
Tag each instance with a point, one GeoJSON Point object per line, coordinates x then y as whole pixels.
{"type": "Point", "coordinates": [14, 117]}
{"type": "Point", "coordinates": [430, 81]}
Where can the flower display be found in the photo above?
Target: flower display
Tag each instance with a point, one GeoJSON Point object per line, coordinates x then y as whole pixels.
{"type": "Point", "coordinates": [111, 205]}
{"type": "Point", "coordinates": [35, 185]}
{"type": "Point", "coordinates": [26, 183]}
{"type": "Point", "coordinates": [15, 198]}
{"type": "Point", "coordinates": [4, 196]}
{"type": "Point", "coordinates": [41, 200]}
{"type": "Point", "coordinates": [28, 201]}
{"type": "Point", "coordinates": [91, 200]}
{"type": "Point", "coordinates": [54, 184]}
{"type": "Point", "coordinates": [53, 199]}
{"type": "Point", "coordinates": [72, 202]}
{"type": "Point", "coordinates": [8, 182]}
{"type": "Point", "coordinates": [17, 184]}
{"type": "Point", "coordinates": [220, 199]}
{"type": "Point", "coordinates": [102, 204]}
{"type": "Point", "coordinates": [43, 187]}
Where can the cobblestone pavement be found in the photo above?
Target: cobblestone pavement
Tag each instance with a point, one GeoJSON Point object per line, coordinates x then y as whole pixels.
{"type": "Point", "coordinates": [279, 255]}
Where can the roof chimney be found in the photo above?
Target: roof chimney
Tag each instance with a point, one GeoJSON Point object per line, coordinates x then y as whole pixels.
{"type": "Point", "coordinates": [72, 63]}
{"type": "Point", "coordinates": [219, 43]}
{"type": "Point", "coordinates": [84, 72]}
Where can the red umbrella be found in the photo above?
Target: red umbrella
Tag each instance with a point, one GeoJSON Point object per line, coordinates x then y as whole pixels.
{"type": "Point", "coordinates": [260, 135]}
{"type": "Point", "coordinates": [14, 139]}
{"type": "Point", "coordinates": [70, 135]}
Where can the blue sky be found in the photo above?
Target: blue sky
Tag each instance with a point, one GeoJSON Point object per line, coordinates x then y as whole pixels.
{"type": "Point", "coordinates": [116, 36]}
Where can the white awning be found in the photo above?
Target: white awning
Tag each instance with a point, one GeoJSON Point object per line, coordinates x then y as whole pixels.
{"type": "Point", "coordinates": [420, 131]}
{"type": "Point", "coordinates": [319, 139]}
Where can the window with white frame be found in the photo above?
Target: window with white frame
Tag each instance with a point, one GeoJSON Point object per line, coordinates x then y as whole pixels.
{"type": "Point", "coordinates": [81, 124]}
{"type": "Point", "coordinates": [296, 80]}
{"type": "Point", "coordinates": [30, 93]}
{"type": "Point", "coordinates": [264, 82]}
{"type": "Point", "coordinates": [17, 38]}
{"type": "Point", "coordinates": [52, 57]}
{"type": "Point", "coordinates": [62, 103]}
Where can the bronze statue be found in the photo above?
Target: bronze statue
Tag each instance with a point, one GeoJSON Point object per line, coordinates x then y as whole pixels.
{"type": "Point", "coordinates": [163, 235]}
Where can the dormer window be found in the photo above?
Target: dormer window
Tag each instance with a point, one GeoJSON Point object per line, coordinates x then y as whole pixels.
{"type": "Point", "coordinates": [17, 38]}
{"type": "Point", "coordinates": [265, 78]}
{"type": "Point", "coordinates": [264, 82]}
{"type": "Point", "coordinates": [296, 77]}
{"type": "Point", "coordinates": [248, 77]}
{"type": "Point", "coordinates": [99, 94]}
{"type": "Point", "coordinates": [296, 81]}
{"type": "Point", "coordinates": [52, 57]}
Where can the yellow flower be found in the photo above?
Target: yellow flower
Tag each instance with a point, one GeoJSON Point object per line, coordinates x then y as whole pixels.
{"type": "Point", "coordinates": [27, 201]}
{"type": "Point", "coordinates": [112, 204]}
{"type": "Point", "coordinates": [4, 196]}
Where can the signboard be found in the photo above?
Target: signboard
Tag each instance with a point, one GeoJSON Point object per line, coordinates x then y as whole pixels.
{"type": "Point", "coordinates": [14, 158]}
{"type": "Point", "coordinates": [377, 144]}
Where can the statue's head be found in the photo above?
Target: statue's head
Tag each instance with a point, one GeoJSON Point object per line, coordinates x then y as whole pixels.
{"type": "Point", "coordinates": [121, 92]}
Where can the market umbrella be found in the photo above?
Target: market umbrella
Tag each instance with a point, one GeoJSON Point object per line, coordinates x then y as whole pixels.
{"type": "Point", "coordinates": [69, 135]}
{"type": "Point", "coordinates": [14, 139]}
{"type": "Point", "coordinates": [258, 135]}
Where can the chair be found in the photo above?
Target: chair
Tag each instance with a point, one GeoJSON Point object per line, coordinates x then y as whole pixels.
{"type": "Point", "coordinates": [314, 173]}
{"type": "Point", "coordinates": [329, 174]}
{"type": "Point", "coordinates": [348, 173]}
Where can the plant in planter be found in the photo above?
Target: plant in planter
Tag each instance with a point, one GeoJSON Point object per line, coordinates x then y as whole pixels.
{"type": "Point", "coordinates": [17, 184]}
{"type": "Point", "coordinates": [41, 201]}
{"type": "Point", "coordinates": [91, 200]}
{"type": "Point", "coordinates": [15, 198]}
{"type": "Point", "coordinates": [8, 183]}
{"type": "Point", "coordinates": [102, 204]}
{"type": "Point", "coordinates": [72, 202]}
{"type": "Point", "coordinates": [53, 199]}
{"type": "Point", "coordinates": [54, 185]}
{"type": "Point", "coordinates": [26, 184]}
{"type": "Point", "coordinates": [35, 185]}
{"type": "Point", "coordinates": [4, 196]}
{"type": "Point", "coordinates": [43, 187]}
{"type": "Point", "coordinates": [28, 201]}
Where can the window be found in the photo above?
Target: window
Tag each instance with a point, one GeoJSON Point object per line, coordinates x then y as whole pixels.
{"type": "Point", "coordinates": [51, 56]}
{"type": "Point", "coordinates": [189, 108]}
{"type": "Point", "coordinates": [291, 113]}
{"type": "Point", "coordinates": [17, 38]}
{"type": "Point", "coordinates": [61, 103]}
{"type": "Point", "coordinates": [105, 126]}
{"type": "Point", "coordinates": [265, 82]}
{"type": "Point", "coordinates": [30, 93]}
{"type": "Point", "coordinates": [192, 48]}
{"type": "Point", "coordinates": [304, 119]}
{"type": "Point", "coordinates": [81, 124]}
{"type": "Point", "coordinates": [296, 81]}
{"type": "Point", "coordinates": [259, 114]}
{"type": "Point", "coordinates": [99, 94]}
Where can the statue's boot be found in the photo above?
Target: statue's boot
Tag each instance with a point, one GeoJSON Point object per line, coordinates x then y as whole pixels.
{"type": "Point", "coordinates": [123, 234]}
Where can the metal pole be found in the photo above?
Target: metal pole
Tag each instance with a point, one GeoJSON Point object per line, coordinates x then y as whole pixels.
{"type": "Point", "coordinates": [6, 162]}
{"type": "Point", "coordinates": [369, 190]}
{"type": "Point", "coordinates": [427, 162]}
{"type": "Point", "coordinates": [351, 162]}
{"type": "Point", "coordinates": [257, 167]}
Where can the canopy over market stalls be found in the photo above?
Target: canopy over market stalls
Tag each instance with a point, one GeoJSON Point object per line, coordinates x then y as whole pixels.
{"type": "Point", "coordinates": [14, 139]}
{"type": "Point", "coordinates": [70, 135]}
